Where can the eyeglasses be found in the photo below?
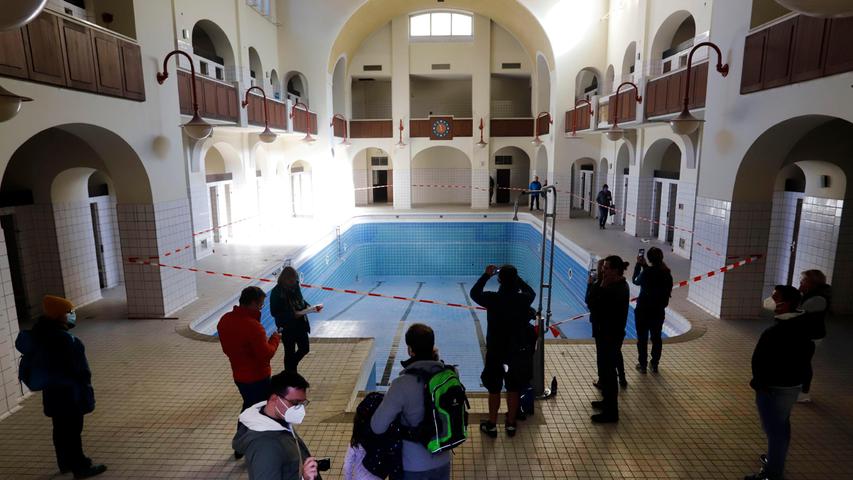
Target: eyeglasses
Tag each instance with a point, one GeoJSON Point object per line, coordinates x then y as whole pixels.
{"type": "Point", "coordinates": [296, 403]}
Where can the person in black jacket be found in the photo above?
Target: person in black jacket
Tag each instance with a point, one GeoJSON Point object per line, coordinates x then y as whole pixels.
{"type": "Point", "coordinates": [816, 299]}
{"type": "Point", "coordinates": [508, 349]}
{"type": "Point", "coordinates": [69, 395]}
{"type": "Point", "coordinates": [290, 311]}
{"type": "Point", "coordinates": [620, 361]}
{"type": "Point", "coordinates": [607, 298]}
{"type": "Point", "coordinates": [604, 199]}
{"type": "Point", "coordinates": [780, 364]}
{"type": "Point", "coordinates": [655, 282]}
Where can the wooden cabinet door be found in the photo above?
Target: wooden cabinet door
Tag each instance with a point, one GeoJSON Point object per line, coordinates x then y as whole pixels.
{"type": "Point", "coordinates": [660, 96]}
{"type": "Point", "coordinates": [839, 53]}
{"type": "Point", "coordinates": [79, 59]}
{"type": "Point", "coordinates": [808, 56]}
{"type": "Point", "coordinates": [650, 98]}
{"type": "Point", "coordinates": [108, 61]}
{"type": "Point", "coordinates": [131, 63]}
{"type": "Point", "coordinates": [674, 92]}
{"type": "Point", "coordinates": [209, 104]}
{"type": "Point", "coordinates": [44, 57]}
{"type": "Point", "coordinates": [753, 62]}
{"type": "Point", "coordinates": [698, 85]}
{"type": "Point", "coordinates": [777, 56]}
{"type": "Point", "coordinates": [13, 57]}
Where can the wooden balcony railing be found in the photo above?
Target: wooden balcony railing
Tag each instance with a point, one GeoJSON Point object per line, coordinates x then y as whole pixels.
{"type": "Point", "coordinates": [511, 127]}
{"type": "Point", "coordinates": [665, 95]}
{"type": "Point", "coordinates": [58, 50]}
{"type": "Point", "coordinates": [544, 127]}
{"type": "Point", "coordinates": [371, 129]}
{"type": "Point", "coordinates": [582, 117]}
{"type": "Point", "coordinates": [217, 100]}
{"type": "Point", "coordinates": [277, 112]}
{"type": "Point", "coordinates": [627, 106]}
{"type": "Point", "coordinates": [304, 121]}
{"type": "Point", "coordinates": [796, 49]}
{"type": "Point", "coordinates": [339, 127]}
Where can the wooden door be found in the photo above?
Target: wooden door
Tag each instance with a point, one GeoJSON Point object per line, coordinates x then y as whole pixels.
{"type": "Point", "coordinates": [45, 60]}
{"type": "Point", "coordinates": [380, 178]}
{"type": "Point", "coordinates": [108, 61]}
{"type": "Point", "coordinates": [13, 57]}
{"type": "Point", "coordinates": [79, 58]}
{"type": "Point", "coordinates": [131, 62]}
{"type": "Point", "coordinates": [502, 184]}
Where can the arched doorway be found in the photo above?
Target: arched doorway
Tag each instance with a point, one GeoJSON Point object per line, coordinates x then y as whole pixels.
{"type": "Point", "coordinates": [213, 51]}
{"type": "Point", "coordinates": [543, 85]}
{"type": "Point", "coordinates": [256, 69]}
{"type": "Point", "coordinates": [672, 42]}
{"type": "Point", "coordinates": [620, 185]}
{"type": "Point", "coordinates": [372, 175]}
{"type": "Point", "coordinates": [587, 83]}
{"type": "Point", "coordinates": [224, 178]}
{"type": "Point", "coordinates": [296, 87]}
{"type": "Point", "coordinates": [437, 174]}
{"type": "Point", "coordinates": [790, 194]}
{"type": "Point", "coordinates": [609, 79]}
{"type": "Point", "coordinates": [275, 84]}
{"type": "Point", "coordinates": [62, 195]}
{"type": "Point", "coordinates": [510, 169]}
{"type": "Point", "coordinates": [628, 62]}
{"type": "Point", "coordinates": [658, 191]}
{"type": "Point", "coordinates": [339, 83]}
{"type": "Point", "coordinates": [302, 189]}
{"type": "Point", "coordinates": [583, 188]}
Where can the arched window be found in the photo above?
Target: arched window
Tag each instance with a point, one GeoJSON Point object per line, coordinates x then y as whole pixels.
{"type": "Point", "coordinates": [441, 24]}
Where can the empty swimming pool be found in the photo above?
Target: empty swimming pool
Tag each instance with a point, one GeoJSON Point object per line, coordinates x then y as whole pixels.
{"type": "Point", "coordinates": [436, 260]}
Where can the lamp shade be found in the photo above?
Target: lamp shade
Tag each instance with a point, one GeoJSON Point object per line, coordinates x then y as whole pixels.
{"type": "Point", "coordinates": [197, 128]}
{"type": "Point", "coordinates": [614, 134]}
{"type": "Point", "coordinates": [819, 8]}
{"type": "Point", "coordinates": [536, 142]}
{"type": "Point", "coordinates": [10, 104]}
{"type": "Point", "coordinates": [308, 138]}
{"type": "Point", "coordinates": [17, 13]}
{"type": "Point", "coordinates": [267, 136]}
{"type": "Point", "coordinates": [685, 123]}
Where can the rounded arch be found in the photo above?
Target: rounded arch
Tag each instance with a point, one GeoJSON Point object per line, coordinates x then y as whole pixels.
{"type": "Point", "coordinates": [628, 61]}
{"type": "Point", "coordinates": [543, 84]}
{"type": "Point", "coordinates": [256, 69]}
{"type": "Point", "coordinates": [223, 158]}
{"type": "Point", "coordinates": [339, 87]}
{"type": "Point", "coordinates": [296, 87]}
{"type": "Point", "coordinates": [372, 169]}
{"type": "Point", "coordinates": [587, 83]}
{"type": "Point", "coordinates": [300, 166]}
{"type": "Point", "coordinates": [440, 165]}
{"type": "Point", "coordinates": [603, 171]}
{"type": "Point", "coordinates": [362, 157]}
{"type": "Point", "coordinates": [676, 31]}
{"type": "Point", "coordinates": [210, 42]}
{"type": "Point", "coordinates": [791, 179]}
{"type": "Point", "coordinates": [620, 183]}
{"type": "Point", "coordinates": [511, 15]}
{"type": "Point", "coordinates": [609, 79]}
{"type": "Point", "coordinates": [509, 166]}
{"type": "Point", "coordinates": [663, 156]}
{"type": "Point", "coordinates": [275, 84]}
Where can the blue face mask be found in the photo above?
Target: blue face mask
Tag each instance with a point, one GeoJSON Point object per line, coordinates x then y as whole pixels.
{"type": "Point", "coordinates": [71, 318]}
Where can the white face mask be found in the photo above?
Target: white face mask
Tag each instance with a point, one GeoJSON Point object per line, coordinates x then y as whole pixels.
{"type": "Point", "coordinates": [295, 415]}
{"type": "Point", "coordinates": [769, 304]}
{"type": "Point", "coordinates": [71, 318]}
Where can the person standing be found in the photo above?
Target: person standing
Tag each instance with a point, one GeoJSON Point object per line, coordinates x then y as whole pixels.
{"type": "Point", "coordinates": [655, 282]}
{"type": "Point", "coordinates": [290, 311]}
{"type": "Point", "coordinates": [404, 402]}
{"type": "Point", "coordinates": [534, 188]}
{"type": "Point", "coordinates": [244, 340]}
{"type": "Point", "coordinates": [491, 188]}
{"type": "Point", "coordinates": [596, 325]}
{"type": "Point", "coordinates": [68, 394]}
{"type": "Point", "coordinates": [816, 299]}
{"type": "Point", "coordinates": [604, 199]}
{"type": "Point", "coordinates": [607, 298]}
{"type": "Point", "coordinates": [780, 365]}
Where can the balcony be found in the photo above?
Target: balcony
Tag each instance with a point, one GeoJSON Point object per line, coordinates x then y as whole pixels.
{"type": "Point", "coordinates": [216, 100]}
{"type": "Point", "coordinates": [58, 50]}
{"type": "Point", "coordinates": [277, 111]}
{"type": "Point", "coordinates": [422, 127]}
{"type": "Point", "coordinates": [796, 49]}
{"type": "Point", "coordinates": [665, 95]}
{"type": "Point", "coordinates": [627, 107]}
{"type": "Point", "coordinates": [511, 127]}
{"type": "Point", "coordinates": [583, 118]}
{"type": "Point", "coordinates": [304, 121]}
{"type": "Point", "coordinates": [370, 129]}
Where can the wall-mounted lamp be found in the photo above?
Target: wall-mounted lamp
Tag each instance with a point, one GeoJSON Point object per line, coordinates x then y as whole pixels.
{"type": "Point", "coordinates": [685, 123]}
{"type": "Point", "coordinates": [10, 104]}
{"type": "Point", "coordinates": [578, 102]}
{"type": "Point", "coordinates": [18, 13]}
{"type": "Point", "coordinates": [615, 133]}
{"type": "Point", "coordinates": [196, 128]}
{"type": "Point", "coordinates": [482, 143]}
{"type": "Point", "coordinates": [346, 141]}
{"type": "Point", "coordinates": [308, 138]}
{"type": "Point", "coordinates": [536, 141]}
{"type": "Point", "coordinates": [267, 136]}
{"type": "Point", "coordinates": [401, 143]}
{"type": "Point", "coordinates": [819, 8]}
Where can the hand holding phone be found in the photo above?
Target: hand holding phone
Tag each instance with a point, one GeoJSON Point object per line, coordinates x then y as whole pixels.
{"type": "Point", "coordinates": [318, 307]}
{"type": "Point", "coordinates": [324, 464]}
{"type": "Point", "coordinates": [492, 270]}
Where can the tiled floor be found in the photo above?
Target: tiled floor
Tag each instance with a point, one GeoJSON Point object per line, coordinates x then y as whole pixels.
{"type": "Point", "coordinates": [167, 407]}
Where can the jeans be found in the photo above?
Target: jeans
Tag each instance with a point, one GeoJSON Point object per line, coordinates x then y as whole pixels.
{"type": "Point", "coordinates": [609, 355]}
{"type": "Point", "coordinates": [534, 200]}
{"type": "Point", "coordinates": [649, 323]}
{"type": "Point", "coordinates": [774, 409]}
{"type": "Point", "coordinates": [602, 215]}
{"type": "Point", "coordinates": [253, 393]}
{"type": "Point", "coordinates": [440, 473]}
{"type": "Point", "coordinates": [293, 338]}
{"type": "Point", "coordinates": [67, 441]}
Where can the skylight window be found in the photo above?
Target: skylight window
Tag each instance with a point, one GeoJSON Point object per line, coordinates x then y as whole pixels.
{"type": "Point", "coordinates": [440, 24]}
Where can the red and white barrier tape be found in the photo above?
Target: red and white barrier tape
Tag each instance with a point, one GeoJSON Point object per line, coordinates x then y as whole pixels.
{"type": "Point", "coordinates": [219, 227]}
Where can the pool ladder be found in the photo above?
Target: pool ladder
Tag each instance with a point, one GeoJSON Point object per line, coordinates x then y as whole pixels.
{"type": "Point", "coordinates": [543, 323]}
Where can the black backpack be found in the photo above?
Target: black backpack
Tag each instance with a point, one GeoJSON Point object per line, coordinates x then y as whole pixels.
{"type": "Point", "coordinates": [445, 422]}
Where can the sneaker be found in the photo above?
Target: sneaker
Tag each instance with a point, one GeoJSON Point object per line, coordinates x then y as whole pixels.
{"type": "Point", "coordinates": [92, 471]}
{"type": "Point", "coordinates": [804, 398]}
{"type": "Point", "coordinates": [641, 368]}
{"type": "Point", "coordinates": [489, 429]}
{"type": "Point", "coordinates": [605, 418]}
{"type": "Point", "coordinates": [597, 385]}
{"type": "Point", "coordinates": [654, 368]}
{"type": "Point", "coordinates": [510, 430]}
{"type": "Point", "coordinates": [598, 404]}
{"type": "Point", "coordinates": [237, 455]}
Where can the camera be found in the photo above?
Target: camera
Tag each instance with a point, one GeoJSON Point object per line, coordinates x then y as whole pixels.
{"type": "Point", "coordinates": [641, 252]}
{"type": "Point", "coordinates": [324, 464]}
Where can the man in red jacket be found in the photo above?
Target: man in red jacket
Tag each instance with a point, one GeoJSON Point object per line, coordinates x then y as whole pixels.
{"type": "Point", "coordinates": [245, 341]}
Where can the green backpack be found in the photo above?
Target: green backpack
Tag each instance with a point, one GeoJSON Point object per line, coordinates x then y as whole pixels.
{"type": "Point", "coordinates": [445, 422]}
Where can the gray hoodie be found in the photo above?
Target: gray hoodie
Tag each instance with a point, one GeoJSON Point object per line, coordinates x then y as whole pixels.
{"type": "Point", "coordinates": [269, 446]}
{"type": "Point", "coordinates": [405, 399]}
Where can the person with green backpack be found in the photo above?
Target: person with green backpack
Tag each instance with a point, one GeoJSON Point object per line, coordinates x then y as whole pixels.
{"type": "Point", "coordinates": [430, 402]}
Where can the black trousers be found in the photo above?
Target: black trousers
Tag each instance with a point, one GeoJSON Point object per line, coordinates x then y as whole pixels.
{"type": "Point", "coordinates": [603, 212]}
{"type": "Point", "coordinates": [253, 393]}
{"type": "Point", "coordinates": [619, 363]}
{"type": "Point", "coordinates": [67, 441]}
{"type": "Point", "coordinates": [649, 324]}
{"type": "Point", "coordinates": [296, 346]}
{"type": "Point", "coordinates": [609, 355]}
{"type": "Point", "coordinates": [534, 200]}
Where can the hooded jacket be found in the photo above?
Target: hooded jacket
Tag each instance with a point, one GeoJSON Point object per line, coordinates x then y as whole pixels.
{"type": "Point", "coordinates": [270, 446]}
{"type": "Point", "coordinates": [655, 289]}
{"type": "Point", "coordinates": [244, 341]}
{"type": "Point", "coordinates": [608, 307]}
{"type": "Point", "coordinates": [783, 354]}
{"type": "Point", "coordinates": [507, 315]}
{"type": "Point", "coordinates": [405, 400]}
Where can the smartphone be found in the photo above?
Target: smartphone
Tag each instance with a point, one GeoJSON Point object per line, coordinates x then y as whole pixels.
{"type": "Point", "coordinates": [324, 464]}
{"type": "Point", "coordinates": [641, 252]}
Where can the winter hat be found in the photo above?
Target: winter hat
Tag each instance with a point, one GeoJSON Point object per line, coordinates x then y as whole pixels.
{"type": "Point", "coordinates": [56, 307]}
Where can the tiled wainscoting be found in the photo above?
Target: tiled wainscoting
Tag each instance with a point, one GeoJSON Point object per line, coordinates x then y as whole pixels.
{"type": "Point", "coordinates": [441, 176]}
